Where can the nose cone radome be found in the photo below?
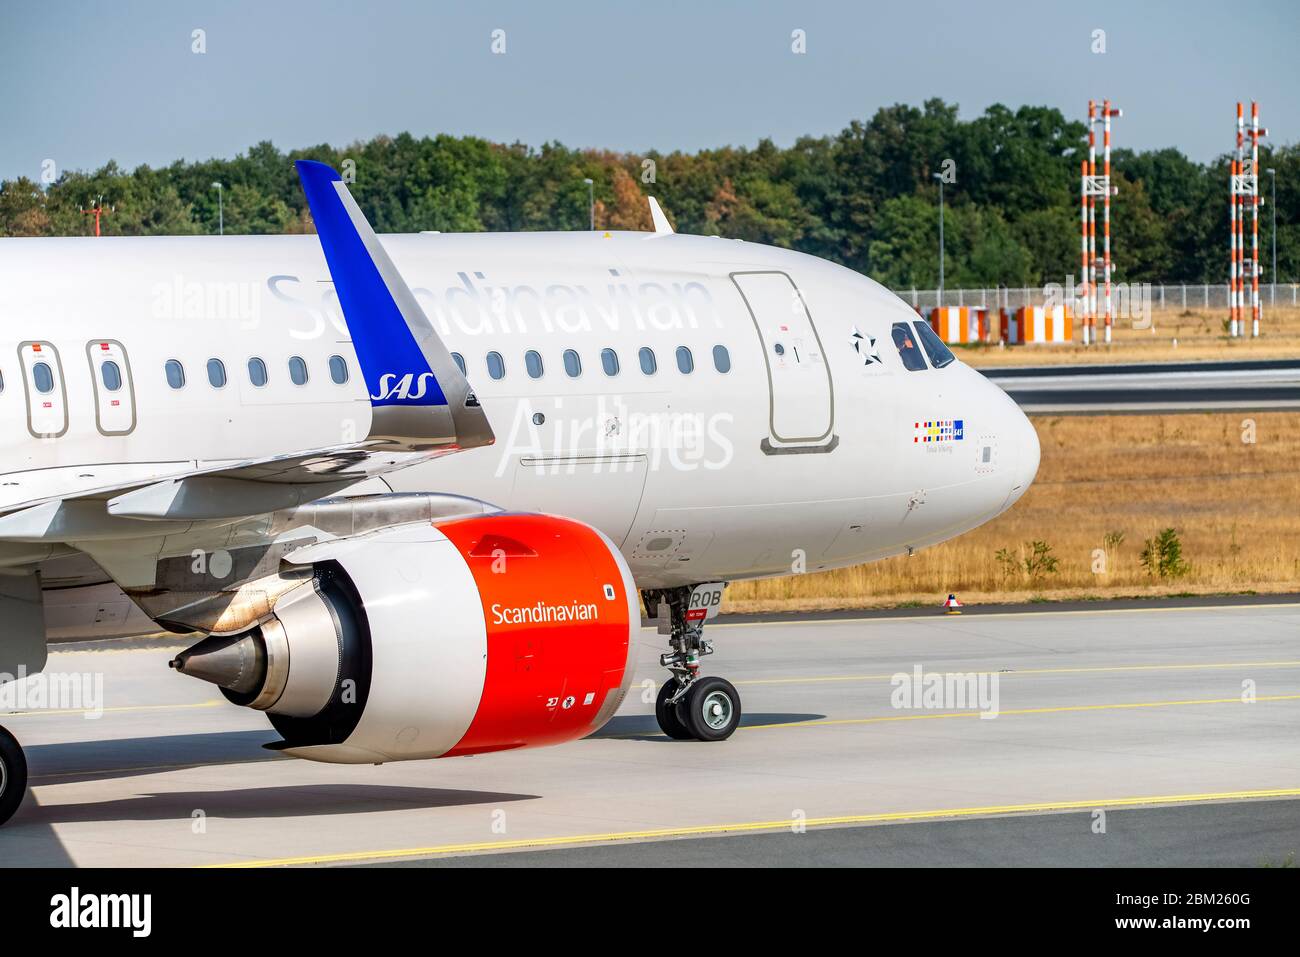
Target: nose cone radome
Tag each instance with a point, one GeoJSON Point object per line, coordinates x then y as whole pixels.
{"type": "Point", "coordinates": [1024, 438]}
{"type": "Point", "coordinates": [1017, 439]}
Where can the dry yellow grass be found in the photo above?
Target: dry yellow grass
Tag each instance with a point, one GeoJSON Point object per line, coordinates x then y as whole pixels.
{"type": "Point", "coordinates": [1235, 505]}
{"type": "Point", "coordinates": [1199, 333]}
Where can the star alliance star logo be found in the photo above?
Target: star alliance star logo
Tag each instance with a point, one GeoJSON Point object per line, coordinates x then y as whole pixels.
{"type": "Point", "coordinates": [865, 347]}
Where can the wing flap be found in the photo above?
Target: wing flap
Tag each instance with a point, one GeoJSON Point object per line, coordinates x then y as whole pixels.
{"type": "Point", "coordinates": [22, 642]}
{"type": "Point", "coordinates": [138, 509]}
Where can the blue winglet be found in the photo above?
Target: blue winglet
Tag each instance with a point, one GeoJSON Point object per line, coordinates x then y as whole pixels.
{"type": "Point", "coordinates": [396, 369]}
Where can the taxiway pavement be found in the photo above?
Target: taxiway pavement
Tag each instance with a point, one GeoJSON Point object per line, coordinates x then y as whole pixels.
{"type": "Point", "coordinates": [1163, 717]}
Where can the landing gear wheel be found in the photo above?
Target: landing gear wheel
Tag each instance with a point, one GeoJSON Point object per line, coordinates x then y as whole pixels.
{"type": "Point", "coordinates": [711, 709]}
{"type": "Point", "coordinates": [13, 775]}
{"type": "Point", "coordinates": [667, 715]}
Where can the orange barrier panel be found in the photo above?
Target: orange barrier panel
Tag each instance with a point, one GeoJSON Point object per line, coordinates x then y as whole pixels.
{"type": "Point", "coordinates": [1036, 324]}
{"type": "Point", "coordinates": [957, 324]}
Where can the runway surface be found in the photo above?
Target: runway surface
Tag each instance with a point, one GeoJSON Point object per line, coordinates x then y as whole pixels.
{"type": "Point", "coordinates": [1245, 834]}
{"type": "Point", "coordinates": [1249, 385]}
{"type": "Point", "coordinates": [1182, 725]}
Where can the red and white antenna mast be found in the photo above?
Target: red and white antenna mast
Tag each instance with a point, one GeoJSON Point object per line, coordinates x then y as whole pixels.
{"type": "Point", "coordinates": [1091, 187]}
{"type": "Point", "coordinates": [1243, 191]}
{"type": "Point", "coordinates": [97, 209]}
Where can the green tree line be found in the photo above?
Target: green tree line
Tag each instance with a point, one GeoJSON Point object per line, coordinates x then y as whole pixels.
{"type": "Point", "coordinates": [866, 198]}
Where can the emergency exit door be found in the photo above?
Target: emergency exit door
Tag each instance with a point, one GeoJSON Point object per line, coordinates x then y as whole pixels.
{"type": "Point", "coordinates": [110, 373]}
{"type": "Point", "coordinates": [47, 396]}
{"type": "Point", "coordinates": [799, 379]}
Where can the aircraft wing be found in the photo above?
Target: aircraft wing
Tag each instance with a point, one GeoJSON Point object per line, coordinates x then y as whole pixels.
{"type": "Point", "coordinates": [223, 491]}
{"type": "Point", "coordinates": [422, 407]}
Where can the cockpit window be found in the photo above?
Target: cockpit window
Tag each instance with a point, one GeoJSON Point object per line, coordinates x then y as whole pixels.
{"type": "Point", "coordinates": [907, 347]}
{"type": "Point", "coordinates": [940, 355]}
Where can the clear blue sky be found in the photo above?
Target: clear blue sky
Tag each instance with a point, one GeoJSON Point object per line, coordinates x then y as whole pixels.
{"type": "Point", "coordinates": [84, 82]}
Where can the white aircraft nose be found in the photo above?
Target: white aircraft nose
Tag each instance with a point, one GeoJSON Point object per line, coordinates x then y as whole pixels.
{"type": "Point", "coordinates": [1018, 439]}
{"type": "Point", "coordinates": [1024, 438]}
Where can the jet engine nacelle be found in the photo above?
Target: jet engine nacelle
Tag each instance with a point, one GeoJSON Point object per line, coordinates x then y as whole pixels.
{"type": "Point", "coordinates": [467, 636]}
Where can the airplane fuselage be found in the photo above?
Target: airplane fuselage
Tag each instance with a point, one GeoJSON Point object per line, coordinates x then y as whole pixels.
{"type": "Point", "coordinates": [719, 409]}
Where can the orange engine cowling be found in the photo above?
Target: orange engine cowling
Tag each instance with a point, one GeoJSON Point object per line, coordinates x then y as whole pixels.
{"type": "Point", "coordinates": [562, 616]}
{"type": "Point", "coordinates": [467, 636]}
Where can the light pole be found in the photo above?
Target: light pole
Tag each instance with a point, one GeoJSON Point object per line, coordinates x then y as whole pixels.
{"type": "Point", "coordinates": [1272, 278]}
{"type": "Point", "coordinates": [221, 210]}
{"type": "Point", "coordinates": [591, 201]}
{"type": "Point", "coordinates": [939, 177]}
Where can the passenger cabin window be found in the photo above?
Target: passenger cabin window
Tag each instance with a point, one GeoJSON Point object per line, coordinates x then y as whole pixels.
{"type": "Point", "coordinates": [339, 369]}
{"type": "Point", "coordinates": [459, 359]}
{"type": "Point", "coordinates": [685, 361]}
{"type": "Point", "coordinates": [648, 364]}
{"type": "Point", "coordinates": [257, 372]}
{"type": "Point", "coordinates": [572, 364]}
{"type": "Point", "coordinates": [908, 350]}
{"type": "Point", "coordinates": [533, 363]}
{"type": "Point", "coordinates": [609, 361]}
{"type": "Point", "coordinates": [43, 378]}
{"type": "Point", "coordinates": [216, 374]}
{"type": "Point", "coordinates": [496, 366]}
{"type": "Point", "coordinates": [297, 370]}
{"type": "Point", "coordinates": [175, 374]}
{"type": "Point", "coordinates": [111, 375]}
{"type": "Point", "coordinates": [940, 355]}
{"type": "Point", "coordinates": [721, 359]}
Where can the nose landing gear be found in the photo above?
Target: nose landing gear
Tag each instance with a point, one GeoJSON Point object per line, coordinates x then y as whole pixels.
{"type": "Point", "coordinates": [688, 705]}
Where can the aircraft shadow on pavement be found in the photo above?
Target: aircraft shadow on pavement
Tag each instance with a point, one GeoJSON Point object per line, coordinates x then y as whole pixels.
{"type": "Point", "coordinates": [71, 761]}
{"type": "Point", "coordinates": [110, 759]}
{"type": "Point", "coordinates": [305, 800]}
{"type": "Point", "coordinates": [644, 727]}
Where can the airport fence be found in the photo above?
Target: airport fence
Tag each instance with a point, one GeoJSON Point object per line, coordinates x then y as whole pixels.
{"type": "Point", "coordinates": [1163, 296]}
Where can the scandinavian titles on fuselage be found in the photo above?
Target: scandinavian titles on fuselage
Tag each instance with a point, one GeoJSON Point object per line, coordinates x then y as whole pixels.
{"type": "Point", "coordinates": [476, 307]}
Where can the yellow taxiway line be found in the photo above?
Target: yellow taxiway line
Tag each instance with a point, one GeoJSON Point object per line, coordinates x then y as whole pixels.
{"type": "Point", "coordinates": [1059, 709]}
{"type": "Point", "coordinates": [974, 713]}
{"type": "Point", "coordinates": [759, 826]}
{"type": "Point", "coordinates": [818, 723]}
{"type": "Point", "coordinates": [938, 616]}
{"type": "Point", "coordinates": [118, 710]}
{"type": "Point", "coordinates": [810, 679]}
{"type": "Point", "coordinates": [1100, 669]}
{"type": "Point", "coordinates": [60, 648]}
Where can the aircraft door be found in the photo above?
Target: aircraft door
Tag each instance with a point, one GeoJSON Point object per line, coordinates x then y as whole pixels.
{"type": "Point", "coordinates": [110, 373]}
{"type": "Point", "coordinates": [802, 406]}
{"type": "Point", "coordinates": [47, 396]}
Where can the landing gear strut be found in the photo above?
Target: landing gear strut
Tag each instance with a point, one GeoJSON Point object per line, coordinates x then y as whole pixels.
{"type": "Point", "coordinates": [688, 705]}
{"type": "Point", "coordinates": [13, 775]}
